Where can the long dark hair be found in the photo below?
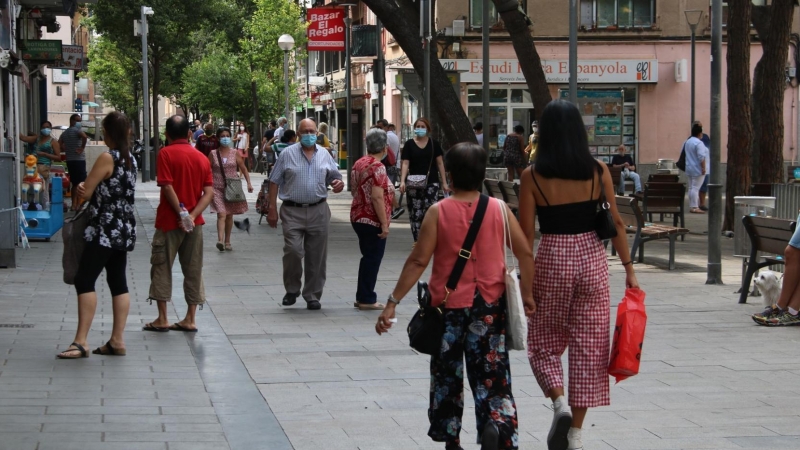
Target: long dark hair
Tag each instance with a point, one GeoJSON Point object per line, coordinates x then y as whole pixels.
{"type": "Point", "coordinates": [118, 128]}
{"type": "Point", "coordinates": [563, 150]}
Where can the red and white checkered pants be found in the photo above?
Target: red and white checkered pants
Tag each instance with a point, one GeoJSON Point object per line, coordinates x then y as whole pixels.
{"type": "Point", "coordinates": [573, 310]}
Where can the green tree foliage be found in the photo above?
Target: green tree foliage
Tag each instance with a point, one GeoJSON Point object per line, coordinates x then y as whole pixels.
{"type": "Point", "coordinates": [219, 84]}
{"type": "Point", "coordinates": [118, 73]}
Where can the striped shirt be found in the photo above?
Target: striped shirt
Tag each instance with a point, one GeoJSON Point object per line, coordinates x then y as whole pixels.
{"type": "Point", "coordinates": [71, 137]}
{"type": "Point", "coordinates": [300, 180]}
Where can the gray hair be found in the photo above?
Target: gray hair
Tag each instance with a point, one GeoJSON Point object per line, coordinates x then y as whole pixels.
{"type": "Point", "coordinates": [323, 128]}
{"type": "Point", "coordinates": [376, 141]}
{"type": "Point", "coordinates": [282, 119]}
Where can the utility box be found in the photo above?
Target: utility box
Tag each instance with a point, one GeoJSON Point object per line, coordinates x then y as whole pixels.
{"type": "Point", "coordinates": [9, 220]}
{"type": "Point", "coordinates": [748, 206]}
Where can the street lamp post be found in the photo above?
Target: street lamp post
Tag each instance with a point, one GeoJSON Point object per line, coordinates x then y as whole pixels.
{"type": "Point", "coordinates": [146, 11]}
{"type": "Point", "coordinates": [286, 43]}
{"type": "Point", "coordinates": [714, 267]}
{"type": "Point", "coordinates": [573, 51]}
{"type": "Point", "coordinates": [348, 119]}
{"type": "Point", "coordinates": [693, 18]}
{"type": "Point", "coordinates": [486, 78]}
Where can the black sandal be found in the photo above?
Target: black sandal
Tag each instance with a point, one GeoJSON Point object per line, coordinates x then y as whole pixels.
{"type": "Point", "coordinates": [78, 347]}
{"type": "Point", "coordinates": [109, 350]}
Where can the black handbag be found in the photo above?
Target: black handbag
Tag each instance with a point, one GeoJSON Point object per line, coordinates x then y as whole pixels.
{"type": "Point", "coordinates": [426, 328]}
{"type": "Point", "coordinates": [603, 221]}
{"type": "Point", "coordinates": [73, 235]}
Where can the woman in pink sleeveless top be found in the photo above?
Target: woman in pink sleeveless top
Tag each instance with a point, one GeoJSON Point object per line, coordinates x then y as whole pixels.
{"type": "Point", "coordinates": [475, 311]}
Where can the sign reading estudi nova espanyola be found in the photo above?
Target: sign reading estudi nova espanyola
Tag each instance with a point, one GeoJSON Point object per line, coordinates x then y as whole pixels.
{"type": "Point", "coordinates": [557, 71]}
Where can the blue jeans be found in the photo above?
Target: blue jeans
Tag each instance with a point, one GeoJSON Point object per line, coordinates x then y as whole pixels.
{"type": "Point", "coordinates": [372, 248]}
{"type": "Point", "coordinates": [637, 183]}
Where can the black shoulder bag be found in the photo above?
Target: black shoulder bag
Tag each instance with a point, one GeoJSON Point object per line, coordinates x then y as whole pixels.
{"type": "Point", "coordinates": [604, 222]}
{"type": "Point", "coordinates": [681, 164]}
{"type": "Point", "coordinates": [426, 328]}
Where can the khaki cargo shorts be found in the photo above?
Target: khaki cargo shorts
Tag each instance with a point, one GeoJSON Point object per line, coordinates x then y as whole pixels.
{"type": "Point", "coordinates": [188, 247]}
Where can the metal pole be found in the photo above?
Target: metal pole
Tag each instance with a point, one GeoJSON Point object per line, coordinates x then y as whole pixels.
{"type": "Point", "coordinates": [426, 31]}
{"type": "Point", "coordinates": [286, 82]}
{"type": "Point", "coordinates": [145, 101]}
{"type": "Point", "coordinates": [573, 51]}
{"type": "Point", "coordinates": [348, 121]}
{"type": "Point", "coordinates": [693, 27]}
{"type": "Point", "coordinates": [381, 76]}
{"type": "Point", "coordinates": [486, 80]}
{"type": "Point", "coordinates": [715, 186]}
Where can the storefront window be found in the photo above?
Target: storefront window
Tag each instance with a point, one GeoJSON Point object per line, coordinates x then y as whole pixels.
{"type": "Point", "coordinates": [521, 96]}
{"type": "Point", "coordinates": [474, 95]}
{"type": "Point", "coordinates": [498, 95]}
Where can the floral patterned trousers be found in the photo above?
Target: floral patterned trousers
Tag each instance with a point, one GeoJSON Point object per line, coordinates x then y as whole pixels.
{"type": "Point", "coordinates": [477, 333]}
{"type": "Point", "coordinates": [419, 200]}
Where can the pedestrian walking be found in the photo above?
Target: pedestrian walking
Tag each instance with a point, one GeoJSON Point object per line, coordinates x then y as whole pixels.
{"type": "Point", "coordinates": [288, 138]}
{"type": "Point", "coordinates": [197, 129]}
{"type": "Point", "coordinates": [300, 178]}
{"type": "Point", "coordinates": [322, 138]}
{"type": "Point", "coordinates": [73, 142]}
{"type": "Point", "coordinates": [514, 153]}
{"type": "Point", "coordinates": [422, 173]}
{"type": "Point", "coordinates": [110, 235]}
{"type": "Point", "coordinates": [370, 214]}
{"type": "Point", "coordinates": [46, 151]}
{"type": "Point", "coordinates": [207, 141]}
{"type": "Point", "coordinates": [241, 143]}
{"type": "Point", "coordinates": [696, 158]}
{"type": "Point", "coordinates": [184, 176]}
{"type": "Point", "coordinates": [704, 188]}
{"type": "Point", "coordinates": [283, 125]}
{"type": "Point", "coordinates": [474, 313]}
{"type": "Point", "coordinates": [225, 161]}
{"type": "Point", "coordinates": [571, 282]}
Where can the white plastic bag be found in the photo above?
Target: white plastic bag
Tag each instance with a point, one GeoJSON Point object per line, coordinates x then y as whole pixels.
{"type": "Point", "coordinates": [516, 321]}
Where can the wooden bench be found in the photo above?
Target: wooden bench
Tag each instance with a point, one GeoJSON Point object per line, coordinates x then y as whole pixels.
{"type": "Point", "coordinates": [616, 173]}
{"type": "Point", "coordinates": [664, 198]}
{"type": "Point", "coordinates": [768, 235]}
{"type": "Point", "coordinates": [510, 191]}
{"type": "Point", "coordinates": [663, 178]}
{"type": "Point", "coordinates": [493, 188]}
{"type": "Point", "coordinates": [633, 217]}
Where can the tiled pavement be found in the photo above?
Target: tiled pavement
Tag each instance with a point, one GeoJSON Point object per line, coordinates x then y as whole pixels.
{"type": "Point", "coordinates": [710, 378]}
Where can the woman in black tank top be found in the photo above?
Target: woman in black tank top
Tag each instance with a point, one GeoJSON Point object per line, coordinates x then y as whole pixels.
{"type": "Point", "coordinates": [571, 281]}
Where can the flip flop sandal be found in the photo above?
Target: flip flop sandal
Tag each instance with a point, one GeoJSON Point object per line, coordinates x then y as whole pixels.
{"type": "Point", "coordinates": [78, 347]}
{"type": "Point", "coordinates": [228, 247]}
{"type": "Point", "coordinates": [178, 327]}
{"type": "Point", "coordinates": [151, 327]}
{"type": "Point", "coordinates": [371, 306]}
{"type": "Point", "coordinates": [220, 247]}
{"type": "Point", "coordinates": [109, 350]}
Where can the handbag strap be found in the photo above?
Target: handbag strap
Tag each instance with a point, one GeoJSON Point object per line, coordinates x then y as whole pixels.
{"type": "Point", "coordinates": [221, 167]}
{"type": "Point", "coordinates": [466, 249]}
{"type": "Point", "coordinates": [603, 200]}
{"type": "Point", "coordinates": [433, 156]}
{"type": "Point", "coordinates": [506, 231]}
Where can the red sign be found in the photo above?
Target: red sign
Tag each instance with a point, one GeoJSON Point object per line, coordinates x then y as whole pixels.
{"type": "Point", "coordinates": [326, 30]}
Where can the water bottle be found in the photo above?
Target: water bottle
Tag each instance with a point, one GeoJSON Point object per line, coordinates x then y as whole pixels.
{"type": "Point", "coordinates": [186, 219]}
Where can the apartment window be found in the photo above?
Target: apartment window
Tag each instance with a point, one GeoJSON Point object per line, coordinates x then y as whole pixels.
{"type": "Point", "coordinates": [725, 10]}
{"type": "Point", "coordinates": [617, 13]}
{"type": "Point", "coordinates": [476, 13]}
{"type": "Point", "coordinates": [58, 91]}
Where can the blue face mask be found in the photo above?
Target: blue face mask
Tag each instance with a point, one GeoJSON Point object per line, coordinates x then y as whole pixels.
{"type": "Point", "coordinates": [46, 131]}
{"type": "Point", "coordinates": [308, 140]}
{"type": "Point", "coordinates": [420, 132]}
{"type": "Point", "coordinates": [226, 141]}
{"type": "Point", "coordinates": [77, 124]}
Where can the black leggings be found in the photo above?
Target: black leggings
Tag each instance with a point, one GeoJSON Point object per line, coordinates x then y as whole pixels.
{"type": "Point", "coordinates": [93, 260]}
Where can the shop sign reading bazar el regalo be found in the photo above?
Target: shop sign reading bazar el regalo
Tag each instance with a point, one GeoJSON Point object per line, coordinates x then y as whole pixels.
{"type": "Point", "coordinates": [557, 71]}
{"type": "Point", "coordinates": [325, 30]}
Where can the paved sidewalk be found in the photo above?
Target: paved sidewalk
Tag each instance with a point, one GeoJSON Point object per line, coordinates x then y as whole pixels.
{"type": "Point", "coordinates": [710, 378]}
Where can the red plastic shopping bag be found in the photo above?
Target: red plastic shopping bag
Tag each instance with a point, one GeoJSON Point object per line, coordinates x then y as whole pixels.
{"type": "Point", "coordinates": [626, 352]}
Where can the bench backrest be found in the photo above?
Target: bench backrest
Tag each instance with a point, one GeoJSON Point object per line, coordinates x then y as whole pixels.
{"type": "Point", "coordinates": [768, 234]}
{"type": "Point", "coordinates": [615, 172]}
{"type": "Point", "coordinates": [510, 192]}
{"type": "Point", "coordinates": [629, 211]}
{"type": "Point", "coordinates": [663, 178]}
{"type": "Point", "coordinates": [493, 188]}
{"type": "Point", "coordinates": [761, 189]}
{"type": "Point", "coordinates": [661, 195]}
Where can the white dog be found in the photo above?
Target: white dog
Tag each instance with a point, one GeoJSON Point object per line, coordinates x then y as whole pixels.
{"type": "Point", "coordinates": [769, 285]}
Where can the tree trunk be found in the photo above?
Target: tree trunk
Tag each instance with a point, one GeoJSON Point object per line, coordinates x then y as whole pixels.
{"type": "Point", "coordinates": [256, 130]}
{"type": "Point", "coordinates": [518, 26]}
{"type": "Point", "coordinates": [774, 25]}
{"type": "Point", "coordinates": [154, 125]}
{"type": "Point", "coordinates": [402, 21]}
{"type": "Point", "coordinates": [740, 136]}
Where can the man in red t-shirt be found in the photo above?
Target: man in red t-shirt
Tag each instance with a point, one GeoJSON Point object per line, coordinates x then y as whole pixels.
{"type": "Point", "coordinates": [184, 176]}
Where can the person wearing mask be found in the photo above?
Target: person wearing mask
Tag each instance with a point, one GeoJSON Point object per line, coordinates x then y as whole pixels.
{"type": "Point", "coordinates": [422, 163]}
{"type": "Point", "coordinates": [184, 176]}
{"type": "Point", "coordinates": [225, 162]}
{"type": "Point", "coordinates": [570, 285]}
{"type": "Point", "coordinates": [478, 129]}
{"type": "Point", "coordinates": [207, 141]}
{"type": "Point", "coordinates": [300, 178]}
{"type": "Point", "coordinates": [514, 153]}
{"type": "Point", "coordinates": [474, 314]}
{"type": "Point", "coordinates": [46, 151]}
{"type": "Point", "coordinates": [370, 211]}
{"type": "Point", "coordinates": [283, 125]}
{"type": "Point", "coordinates": [73, 142]}
{"type": "Point", "coordinates": [110, 235]}
{"type": "Point", "coordinates": [241, 143]}
{"type": "Point", "coordinates": [696, 159]}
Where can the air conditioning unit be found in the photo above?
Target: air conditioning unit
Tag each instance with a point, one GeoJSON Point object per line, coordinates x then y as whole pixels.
{"type": "Point", "coordinates": [681, 71]}
{"type": "Point", "coordinates": [448, 31]}
{"type": "Point", "coordinates": [458, 27]}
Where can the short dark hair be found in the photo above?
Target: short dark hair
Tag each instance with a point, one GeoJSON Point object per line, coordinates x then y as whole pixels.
{"type": "Point", "coordinates": [288, 135]}
{"type": "Point", "coordinates": [563, 150]}
{"type": "Point", "coordinates": [383, 122]}
{"type": "Point", "coordinates": [75, 117]}
{"type": "Point", "coordinates": [697, 129]}
{"type": "Point", "coordinates": [177, 127]}
{"type": "Point", "coordinates": [519, 129]}
{"type": "Point", "coordinates": [478, 126]}
{"type": "Point", "coordinates": [273, 122]}
{"type": "Point", "coordinates": [46, 122]}
{"type": "Point", "coordinates": [466, 164]}
{"type": "Point", "coordinates": [221, 129]}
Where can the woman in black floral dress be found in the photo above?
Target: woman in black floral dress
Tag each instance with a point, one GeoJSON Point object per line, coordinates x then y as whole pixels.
{"type": "Point", "coordinates": [110, 235]}
{"type": "Point", "coordinates": [514, 153]}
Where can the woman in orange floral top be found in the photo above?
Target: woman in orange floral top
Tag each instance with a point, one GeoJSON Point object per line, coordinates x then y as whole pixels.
{"type": "Point", "coordinates": [372, 207]}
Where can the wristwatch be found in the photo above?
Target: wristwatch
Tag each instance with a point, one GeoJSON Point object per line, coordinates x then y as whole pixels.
{"type": "Point", "coordinates": [391, 299]}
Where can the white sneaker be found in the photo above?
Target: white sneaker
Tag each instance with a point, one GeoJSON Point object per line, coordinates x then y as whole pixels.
{"type": "Point", "coordinates": [574, 438]}
{"type": "Point", "coordinates": [562, 421]}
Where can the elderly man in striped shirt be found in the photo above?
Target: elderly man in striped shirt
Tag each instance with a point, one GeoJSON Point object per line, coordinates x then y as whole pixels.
{"type": "Point", "coordinates": [300, 178]}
